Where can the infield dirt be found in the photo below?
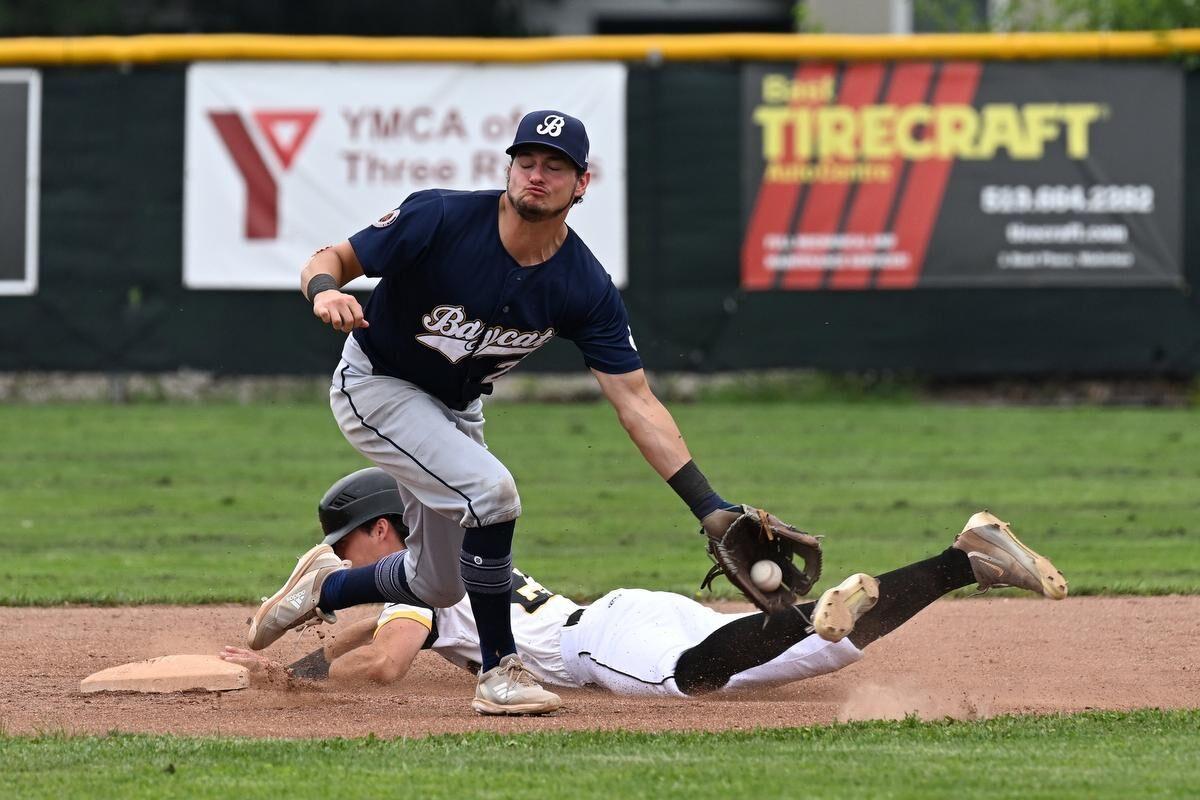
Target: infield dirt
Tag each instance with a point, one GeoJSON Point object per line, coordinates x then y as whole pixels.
{"type": "Point", "coordinates": [961, 658]}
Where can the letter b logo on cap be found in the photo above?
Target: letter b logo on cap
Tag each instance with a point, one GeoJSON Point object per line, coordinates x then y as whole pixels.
{"type": "Point", "coordinates": [552, 125]}
{"type": "Point", "coordinates": [556, 130]}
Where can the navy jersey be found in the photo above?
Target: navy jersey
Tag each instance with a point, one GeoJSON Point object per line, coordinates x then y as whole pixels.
{"type": "Point", "coordinates": [453, 311]}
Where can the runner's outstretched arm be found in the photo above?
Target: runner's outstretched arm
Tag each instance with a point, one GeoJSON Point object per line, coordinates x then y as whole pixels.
{"type": "Point", "coordinates": [385, 659]}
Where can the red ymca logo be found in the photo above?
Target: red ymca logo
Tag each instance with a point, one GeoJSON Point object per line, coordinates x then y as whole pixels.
{"type": "Point", "coordinates": [285, 132]}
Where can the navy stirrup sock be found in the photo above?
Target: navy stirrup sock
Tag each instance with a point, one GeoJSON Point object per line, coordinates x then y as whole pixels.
{"type": "Point", "coordinates": [381, 582]}
{"type": "Point", "coordinates": [349, 587]}
{"type": "Point", "coordinates": [486, 568]}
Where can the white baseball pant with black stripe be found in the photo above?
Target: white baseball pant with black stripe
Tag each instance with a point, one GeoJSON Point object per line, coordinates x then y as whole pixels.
{"type": "Point", "coordinates": [630, 640]}
{"type": "Point", "coordinates": [447, 478]}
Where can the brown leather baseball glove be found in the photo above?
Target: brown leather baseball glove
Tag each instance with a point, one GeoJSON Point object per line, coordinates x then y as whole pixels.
{"type": "Point", "coordinates": [740, 537]}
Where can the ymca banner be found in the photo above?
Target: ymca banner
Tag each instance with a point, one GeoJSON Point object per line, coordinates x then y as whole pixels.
{"type": "Point", "coordinates": [282, 159]}
{"type": "Point", "coordinates": [962, 174]}
{"type": "Point", "coordinates": [20, 144]}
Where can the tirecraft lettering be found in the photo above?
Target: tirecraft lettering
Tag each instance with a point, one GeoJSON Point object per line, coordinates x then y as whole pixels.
{"type": "Point", "coordinates": [921, 131]}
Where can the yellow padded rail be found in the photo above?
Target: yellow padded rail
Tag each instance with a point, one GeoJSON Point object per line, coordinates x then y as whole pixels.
{"type": "Point", "coordinates": [155, 49]}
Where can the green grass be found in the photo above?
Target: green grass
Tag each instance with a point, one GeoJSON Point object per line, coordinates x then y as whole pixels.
{"type": "Point", "coordinates": [1145, 754]}
{"type": "Point", "coordinates": [183, 504]}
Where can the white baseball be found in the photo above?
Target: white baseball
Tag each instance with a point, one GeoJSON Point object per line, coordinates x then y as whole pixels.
{"type": "Point", "coordinates": [766, 575]}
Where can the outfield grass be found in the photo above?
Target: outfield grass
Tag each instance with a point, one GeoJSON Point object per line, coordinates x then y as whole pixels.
{"type": "Point", "coordinates": [1147, 754]}
{"type": "Point", "coordinates": [183, 504]}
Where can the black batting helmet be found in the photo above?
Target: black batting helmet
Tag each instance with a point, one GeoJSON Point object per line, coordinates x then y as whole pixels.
{"type": "Point", "coordinates": [356, 499]}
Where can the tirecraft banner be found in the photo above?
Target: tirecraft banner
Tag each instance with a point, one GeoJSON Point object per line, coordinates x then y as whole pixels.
{"type": "Point", "coordinates": [282, 159]}
{"type": "Point", "coordinates": [20, 143]}
{"type": "Point", "coordinates": [962, 174]}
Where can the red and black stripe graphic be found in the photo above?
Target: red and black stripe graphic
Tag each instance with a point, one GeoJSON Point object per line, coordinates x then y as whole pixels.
{"type": "Point", "coordinates": [906, 205]}
{"type": "Point", "coordinates": [777, 203]}
{"type": "Point", "coordinates": [822, 211]}
{"type": "Point", "coordinates": [873, 202]}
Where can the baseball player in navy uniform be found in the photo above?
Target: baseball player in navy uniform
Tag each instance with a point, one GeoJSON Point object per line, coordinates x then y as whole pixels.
{"type": "Point", "coordinates": [470, 284]}
{"type": "Point", "coordinates": [638, 642]}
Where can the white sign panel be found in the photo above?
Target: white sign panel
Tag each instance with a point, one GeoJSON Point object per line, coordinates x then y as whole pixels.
{"type": "Point", "coordinates": [20, 145]}
{"type": "Point", "coordinates": [282, 159]}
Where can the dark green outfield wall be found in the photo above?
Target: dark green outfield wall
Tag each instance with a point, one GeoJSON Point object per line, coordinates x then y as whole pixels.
{"type": "Point", "coordinates": [110, 294]}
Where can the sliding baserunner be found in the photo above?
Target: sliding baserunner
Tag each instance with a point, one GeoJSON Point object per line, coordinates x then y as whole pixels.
{"type": "Point", "coordinates": [639, 642]}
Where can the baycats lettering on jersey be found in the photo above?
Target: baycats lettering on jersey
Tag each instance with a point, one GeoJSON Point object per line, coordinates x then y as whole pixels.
{"type": "Point", "coordinates": [456, 337]}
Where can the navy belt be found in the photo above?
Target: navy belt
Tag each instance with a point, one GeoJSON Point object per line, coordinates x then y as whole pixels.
{"type": "Point", "coordinates": [574, 618]}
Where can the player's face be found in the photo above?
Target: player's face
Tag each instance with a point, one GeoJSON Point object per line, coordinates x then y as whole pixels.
{"type": "Point", "coordinates": [365, 545]}
{"type": "Point", "coordinates": [543, 183]}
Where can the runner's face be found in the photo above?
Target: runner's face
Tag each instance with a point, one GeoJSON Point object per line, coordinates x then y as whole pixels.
{"type": "Point", "coordinates": [365, 546]}
{"type": "Point", "coordinates": [542, 183]}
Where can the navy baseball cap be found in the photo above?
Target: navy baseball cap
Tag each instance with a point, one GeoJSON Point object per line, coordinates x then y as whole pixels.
{"type": "Point", "coordinates": [554, 129]}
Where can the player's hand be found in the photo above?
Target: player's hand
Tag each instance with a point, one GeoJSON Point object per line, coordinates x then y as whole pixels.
{"type": "Point", "coordinates": [256, 663]}
{"type": "Point", "coordinates": [340, 310]}
{"type": "Point", "coordinates": [717, 522]}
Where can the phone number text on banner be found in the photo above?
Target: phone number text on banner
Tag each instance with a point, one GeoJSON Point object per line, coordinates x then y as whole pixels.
{"type": "Point", "coordinates": [282, 159]}
{"type": "Point", "coordinates": [898, 176]}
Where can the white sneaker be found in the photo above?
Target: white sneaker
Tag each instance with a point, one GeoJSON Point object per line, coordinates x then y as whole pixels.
{"type": "Point", "coordinates": [508, 688]}
{"type": "Point", "coordinates": [296, 603]}
{"type": "Point", "coordinates": [840, 607]}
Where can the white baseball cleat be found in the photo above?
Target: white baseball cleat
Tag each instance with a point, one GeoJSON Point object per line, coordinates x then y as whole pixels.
{"type": "Point", "coordinates": [508, 688]}
{"type": "Point", "coordinates": [296, 603]}
{"type": "Point", "coordinates": [840, 607]}
{"type": "Point", "coordinates": [998, 558]}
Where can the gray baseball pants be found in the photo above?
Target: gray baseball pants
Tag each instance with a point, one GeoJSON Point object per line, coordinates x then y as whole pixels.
{"type": "Point", "coordinates": [446, 475]}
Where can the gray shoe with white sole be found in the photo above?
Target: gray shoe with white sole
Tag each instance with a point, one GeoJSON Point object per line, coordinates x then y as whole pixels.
{"type": "Point", "coordinates": [509, 689]}
{"type": "Point", "coordinates": [295, 604]}
{"type": "Point", "coordinates": [998, 558]}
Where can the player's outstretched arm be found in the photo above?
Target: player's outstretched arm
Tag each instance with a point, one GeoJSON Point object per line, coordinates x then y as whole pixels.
{"type": "Point", "coordinates": [646, 420]}
{"type": "Point", "coordinates": [739, 536]}
{"type": "Point", "coordinates": [653, 430]}
{"type": "Point", "coordinates": [386, 659]}
{"type": "Point", "coordinates": [329, 269]}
